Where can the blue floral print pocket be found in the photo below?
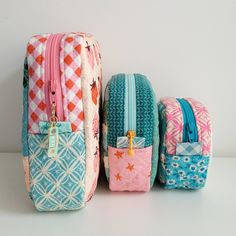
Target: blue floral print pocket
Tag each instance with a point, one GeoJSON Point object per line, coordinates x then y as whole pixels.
{"type": "Point", "coordinates": [188, 172]}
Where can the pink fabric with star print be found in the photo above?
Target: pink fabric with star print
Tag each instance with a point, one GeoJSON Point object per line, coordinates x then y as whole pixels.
{"type": "Point", "coordinates": [130, 173]}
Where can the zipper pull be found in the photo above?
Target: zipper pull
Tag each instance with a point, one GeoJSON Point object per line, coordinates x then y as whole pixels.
{"type": "Point", "coordinates": [130, 135]}
{"type": "Point", "coordinates": [190, 128]}
{"type": "Point", "coordinates": [53, 133]}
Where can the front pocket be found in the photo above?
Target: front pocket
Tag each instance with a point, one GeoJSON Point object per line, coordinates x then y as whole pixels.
{"type": "Point", "coordinates": [129, 173]}
{"type": "Point", "coordinates": [57, 183]}
{"type": "Point", "coordinates": [188, 172]}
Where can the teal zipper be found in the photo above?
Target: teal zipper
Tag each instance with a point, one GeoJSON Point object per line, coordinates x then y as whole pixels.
{"type": "Point", "coordinates": [130, 104]}
{"type": "Point", "coordinates": [130, 111]}
{"type": "Point", "coordinates": [190, 133]}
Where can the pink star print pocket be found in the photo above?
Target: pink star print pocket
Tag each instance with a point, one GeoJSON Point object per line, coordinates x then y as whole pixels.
{"type": "Point", "coordinates": [130, 173]}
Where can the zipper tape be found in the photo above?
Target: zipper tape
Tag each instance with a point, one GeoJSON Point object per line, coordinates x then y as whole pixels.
{"type": "Point", "coordinates": [53, 93]}
{"type": "Point", "coordinates": [130, 104]}
{"type": "Point", "coordinates": [190, 132]}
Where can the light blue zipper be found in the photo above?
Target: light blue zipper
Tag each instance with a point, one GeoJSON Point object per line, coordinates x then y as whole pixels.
{"type": "Point", "coordinates": [190, 133]}
{"type": "Point", "coordinates": [130, 104]}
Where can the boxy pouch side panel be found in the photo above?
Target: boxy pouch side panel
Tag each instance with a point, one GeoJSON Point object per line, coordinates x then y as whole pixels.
{"type": "Point", "coordinates": [105, 130]}
{"type": "Point", "coordinates": [122, 163]}
{"type": "Point", "coordinates": [116, 109]}
{"type": "Point", "coordinates": [91, 94]}
{"type": "Point", "coordinates": [147, 119]}
{"type": "Point", "coordinates": [183, 162]}
{"type": "Point", "coordinates": [24, 131]}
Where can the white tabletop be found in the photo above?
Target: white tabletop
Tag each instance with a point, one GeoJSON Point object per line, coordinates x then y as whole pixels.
{"type": "Point", "coordinates": [210, 211]}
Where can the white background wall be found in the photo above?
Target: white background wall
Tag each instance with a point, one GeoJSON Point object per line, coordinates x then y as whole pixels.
{"type": "Point", "coordinates": [185, 47]}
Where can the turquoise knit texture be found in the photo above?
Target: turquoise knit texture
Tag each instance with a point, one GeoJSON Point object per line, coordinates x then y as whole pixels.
{"type": "Point", "coordinates": [145, 105]}
{"type": "Point", "coordinates": [115, 119]}
{"type": "Point", "coordinates": [147, 118]}
{"type": "Point", "coordinates": [162, 126]}
{"type": "Point", "coordinates": [155, 144]}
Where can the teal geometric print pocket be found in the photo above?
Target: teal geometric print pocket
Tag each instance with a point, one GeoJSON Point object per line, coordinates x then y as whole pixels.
{"type": "Point", "coordinates": [57, 183]}
{"type": "Point", "coordinates": [188, 172]}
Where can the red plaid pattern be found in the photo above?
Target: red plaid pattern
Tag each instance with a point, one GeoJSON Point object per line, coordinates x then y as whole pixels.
{"type": "Point", "coordinates": [70, 63]}
{"type": "Point", "coordinates": [70, 66]}
{"type": "Point", "coordinates": [36, 98]}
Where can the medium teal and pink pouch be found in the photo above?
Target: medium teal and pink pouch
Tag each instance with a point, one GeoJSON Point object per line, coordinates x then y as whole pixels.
{"type": "Point", "coordinates": [60, 129]}
{"type": "Point", "coordinates": [185, 143]}
{"type": "Point", "coordinates": [130, 133]}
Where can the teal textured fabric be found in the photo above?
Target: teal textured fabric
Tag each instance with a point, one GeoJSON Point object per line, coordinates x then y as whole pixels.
{"type": "Point", "coordinates": [104, 120]}
{"type": "Point", "coordinates": [162, 126]}
{"type": "Point", "coordinates": [57, 183]}
{"type": "Point", "coordinates": [147, 119]}
{"type": "Point", "coordinates": [24, 131]}
{"type": "Point", "coordinates": [155, 147]}
{"type": "Point", "coordinates": [115, 118]}
{"type": "Point", "coordinates": [144, 105]}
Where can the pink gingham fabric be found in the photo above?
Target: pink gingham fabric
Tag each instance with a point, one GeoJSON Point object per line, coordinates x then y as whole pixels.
{"type": "Point", "coordinates": [36, 98]}
{"type": "Point", "coordinates": [70, 63]}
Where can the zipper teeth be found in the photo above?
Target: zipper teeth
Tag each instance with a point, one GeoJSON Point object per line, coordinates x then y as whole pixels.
{"type": "Point", "coordinates": [188, 119]}
{"type": "Point", "coordinates": [48, 75]}
{"type": "Point", "coordinates": [53, 66]}
{"type": "Point", "coordinates": [126, 107]}
{"type": "Point", "coordinates": [52, 79]}
{"type": "Point", "coordinates": [52, 75]}
{"type": "Point", "coordinates": [57, 69]}
{"type": "Point", "coordinates": [185, 138]}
